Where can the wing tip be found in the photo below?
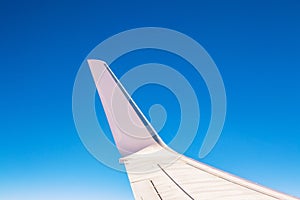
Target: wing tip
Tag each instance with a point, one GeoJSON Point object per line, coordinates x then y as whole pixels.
{"type": "Point", "coordinates": [94, 61]}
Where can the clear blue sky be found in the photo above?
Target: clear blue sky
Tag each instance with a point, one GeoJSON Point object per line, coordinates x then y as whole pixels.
{"type": "Point", "coordinates": [255, 44]}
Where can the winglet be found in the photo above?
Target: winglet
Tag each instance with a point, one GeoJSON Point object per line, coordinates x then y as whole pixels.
{"type": "Point", "coordinates": [131, 130]}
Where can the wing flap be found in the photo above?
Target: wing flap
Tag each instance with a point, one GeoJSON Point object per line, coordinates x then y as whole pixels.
{"type": "Point", "coordinates": [145, 190]}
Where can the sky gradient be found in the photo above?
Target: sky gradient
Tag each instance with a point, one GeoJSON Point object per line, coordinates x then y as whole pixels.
{"type": "Point", "coordinates": [255, 45]}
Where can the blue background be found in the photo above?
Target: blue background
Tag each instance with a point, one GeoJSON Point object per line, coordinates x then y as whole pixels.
{"type": "Point", "coordinates": [255, 45]}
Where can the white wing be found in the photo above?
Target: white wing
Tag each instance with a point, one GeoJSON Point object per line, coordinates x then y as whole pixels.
{"type": "Point", "coordinates": [154, 170]}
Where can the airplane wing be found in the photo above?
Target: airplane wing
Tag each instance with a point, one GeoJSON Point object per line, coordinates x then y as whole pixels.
{"type": "Point", "coordinates": [155, 171]}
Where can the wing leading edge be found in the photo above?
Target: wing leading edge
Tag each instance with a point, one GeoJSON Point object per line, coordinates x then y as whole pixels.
{"type": "Point", "coordinates": [154, 170]}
